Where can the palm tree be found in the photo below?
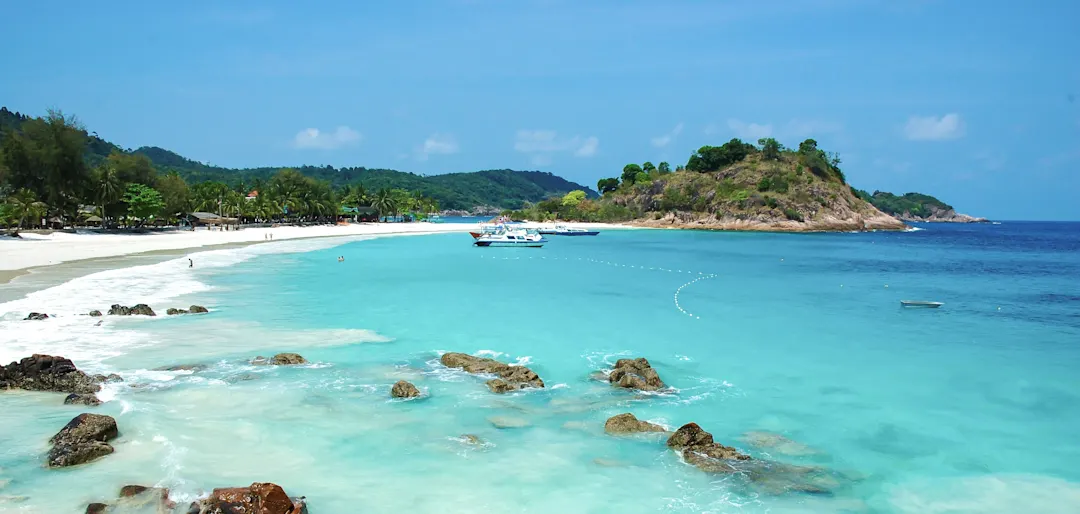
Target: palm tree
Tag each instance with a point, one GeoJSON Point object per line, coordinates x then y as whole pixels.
{"type": "Point", "coordinates": [25, 206]}
{"type": "Point", "coordinates": [384, 202]}
{"type": "Point", "coordinates": [107, 186]}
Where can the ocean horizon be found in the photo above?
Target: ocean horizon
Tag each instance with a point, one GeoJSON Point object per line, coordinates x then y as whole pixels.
{"type": "Point", "coordinates": [792, 348]}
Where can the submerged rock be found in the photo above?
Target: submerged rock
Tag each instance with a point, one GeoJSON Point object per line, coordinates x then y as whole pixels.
{"type": "Point", "coordinates": [281, 359]}
{"type": "Point", "coordinates": [508, 422]}
{"type": "Point", "coordinates": [403, 389]}
{"type": "Point", "coordinates": [46, 373]}
{"type": "Point", "coordinates": [510, 378]}
{"type": "Point", "coordinates": [182, 367]}
{"type": "Point", "coordinates": [635, 374]}
{"type": "Point", "coordinates": [140, 309]}
{"type": "Point", "coordinates": [82, 399]}
{"type": "Point", "coordinates": [628, 424]}
{"type": "Point", "coordinates": [472, 439]}
{"type": "Point", "coordinates": [36, 316]}
{"type": "Point", "coordinates": [259, 498]}
{"type": "Point", "coordinates": [83, 439]}
{"type": "Point", "coordinates": [698, 448]}
{"type": "Point", "coordinates": [95, 313]}
{"type": "Point", "coordinates": [778, 444]}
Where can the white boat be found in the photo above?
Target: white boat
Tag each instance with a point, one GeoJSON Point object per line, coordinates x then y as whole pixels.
{"type": "Point", "coordinates": [563, 230]}
{"type": "Point", "coordinates": [918, 303]}
{"type": "Point", "coordinates": [518, 238]}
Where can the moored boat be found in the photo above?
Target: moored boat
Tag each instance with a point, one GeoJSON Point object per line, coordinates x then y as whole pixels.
{"type": "Point", "coordinates": [919, 303]}
{"type": "Point", "coordinates": [512, 238]}
{"type": "Point", "coordinates": [563, 230]}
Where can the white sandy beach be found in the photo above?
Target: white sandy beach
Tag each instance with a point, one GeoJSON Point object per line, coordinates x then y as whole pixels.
{"type": "Point", "coordinates": [36, 250]}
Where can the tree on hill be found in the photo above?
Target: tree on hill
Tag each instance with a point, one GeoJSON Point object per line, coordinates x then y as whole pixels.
{"type": "Point", "coordinates": [629, 173]}
{"type": "Point", "coordinates": [664, 168]}
{"type": "Point", "coordinates": [770, 148]}
{"type": "Point", "coordinates": [573, 198]}
{"type": "Point", "coordinates": [606, 185]}
{"type": "Point", "coordinates": [713, 158]}
{"type": "Point", "coordinates": [648, 167]}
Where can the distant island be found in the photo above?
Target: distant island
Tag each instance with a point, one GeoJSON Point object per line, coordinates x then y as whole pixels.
{"type": "Point", "coordinates": [917, 207]}
{"type": "Point", "coordinates": [734, 186]}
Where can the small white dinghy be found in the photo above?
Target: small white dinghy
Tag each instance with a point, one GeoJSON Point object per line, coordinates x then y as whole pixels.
{"type": "Point", "coordinates": [918, 303]}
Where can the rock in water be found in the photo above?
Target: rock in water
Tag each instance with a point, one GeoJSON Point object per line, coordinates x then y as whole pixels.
{"type": "Point", "coordinates": [140, 309]}
{"type": "Point", "coordinates": [182, 367]}
{"type": "Point", "coordinates": [628, 424]}
{"type": "Point", "coordinates": [698, 448]}
{"type": "Point", "coordinates": [95, 313]}
{"type": "Point", "coordinates": [82, 399]}
{"type": "Point", "coordinates": [197, 309]}
{"type": "Point", "coordinates": [257, 499]}
{"type": "Point", "coordinates": [635, 374]}
{"type": "Point", "coordinates": [173, 311]}
{"type": "Point", "coordinates": [510, 377]}
{"type": "Point", "coordinates": [36, 316]}
{"type": "Point", "coordinates": [46, 373]}
{"type": "Point", "coordinates": [508, 422]}
{"type": "Point", "coordinates": [778, 444]}
{"type": "Point", "coordinates": [83, 439]}
{"type": "Point", "coordinates": [97, 508]}
{"type": "Point", "coordinates": [403, 389]}
{"type": "Point", "coordinates": [281, 359]}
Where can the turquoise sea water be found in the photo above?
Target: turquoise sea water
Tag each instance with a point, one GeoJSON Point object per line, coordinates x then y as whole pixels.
{"type": "Point", "coordinates": [969, 408]}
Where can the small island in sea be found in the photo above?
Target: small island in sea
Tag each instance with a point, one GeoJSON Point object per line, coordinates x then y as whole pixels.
{"type": "Point", "coordinates": [917, 207]}
{"type": "Point", "coordinates": [734, 186]}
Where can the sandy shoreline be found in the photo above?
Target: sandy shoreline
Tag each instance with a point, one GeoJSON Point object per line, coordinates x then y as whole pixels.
{"type": "Point", "coordinates": [20, 256]}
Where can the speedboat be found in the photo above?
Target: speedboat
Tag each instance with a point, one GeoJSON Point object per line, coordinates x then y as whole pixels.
{"type": "Point", "coordinates": [563, 230]}
{"type": "Point", "coordinates": [519, 238]}
{"type": "Point", "coordinates": [487, 229]}
{"type": "Point", "coordinates": [918, 303]}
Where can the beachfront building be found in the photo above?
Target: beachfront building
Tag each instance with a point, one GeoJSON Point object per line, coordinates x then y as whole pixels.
{"type": "Point", "coordinates": [358, 214]}
{"type": "Point", "coordinates": [207, 219]}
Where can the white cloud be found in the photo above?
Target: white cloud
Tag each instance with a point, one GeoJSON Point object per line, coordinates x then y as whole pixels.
{"type": "Point", "coordinates": [437, 144]}
{"type": "Point", "coordinates": [313, 138]}
{"type": "Point", "coordinates": [801, 129]}
{"type": "Point", "coordinates": [933, 128]}
{"type": "Point", "coordinates": [749, 132]}
{"type": "Point", "coordinates": [541, 144]}
{"type": "Point", "coordinates": [666, 139]}
{"type": "Point", "coordinates": [588, 148]}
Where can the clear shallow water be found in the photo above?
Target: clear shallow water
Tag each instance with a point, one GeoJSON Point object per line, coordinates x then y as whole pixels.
{"type": "Point", "coordinates": [969, 408]}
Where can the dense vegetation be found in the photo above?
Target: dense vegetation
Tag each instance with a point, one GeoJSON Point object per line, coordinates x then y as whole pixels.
{"type": "Point", "coordinates": [50, 167]}
{"type": "Point", "coordinates": [734, 180]}
{"type": "Point", "coordinates": [910, 204]}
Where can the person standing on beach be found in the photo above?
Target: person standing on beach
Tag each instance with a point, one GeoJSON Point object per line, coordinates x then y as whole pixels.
{"type": "Point", "coordinates": [190, 263]}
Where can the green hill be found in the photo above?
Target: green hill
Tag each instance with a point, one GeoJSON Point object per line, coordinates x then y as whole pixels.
{"type": "Point", "coordinates": [735, 186]}
{"type": "Point", "coordinates": [490, 188]}
{"type": "Point", "coordinates": [916, 207]}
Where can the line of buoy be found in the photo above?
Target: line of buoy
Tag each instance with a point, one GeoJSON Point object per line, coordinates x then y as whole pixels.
{"type": "Point", "coordinates": [684, 286]}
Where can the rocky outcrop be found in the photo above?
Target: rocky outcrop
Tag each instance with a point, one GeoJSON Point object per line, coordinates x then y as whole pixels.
{"type": "Point", "coordinates": [404, 389]}
{"type": "Point", "coordinates": [281, 359]}
{"type": "Point", "coordinates": [140, 309]}
{"type": "Point", "coordinates": [698, 448]}
{"type": "Point", "coordinates": [137, 498]}
{"type": "Point", "coordinates": [97, 508]}
{"type": "Point", "coordinates": [635, 374]}
{"type": "Point", "coordinates": [82, 399]}
{"type": "Point", "coordinates": [36, 316]}
{"type": "Point", "coordinates": [46, 373]}
{"type": "Point", "coordinates": [108, 379]}
{"type": "Point", "coordinates": [83, 439]}
{"type": "Point", "coordinates": [95, 313]}
{"type": "Point", "coordinates": [259, 498]}
{"type": "Point", "coordinates": [627, 423]}
{"type": "Point", "coordinates": [194, 309]}
{"type": "Point", "coordinates": [510, 378]}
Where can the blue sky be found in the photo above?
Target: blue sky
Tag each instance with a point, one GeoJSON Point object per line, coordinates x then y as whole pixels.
{"type": "Point", "coordinates": [977, 102]}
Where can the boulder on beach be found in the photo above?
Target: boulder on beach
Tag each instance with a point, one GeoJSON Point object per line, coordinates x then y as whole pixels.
{"type": "Point", "coordinates": [511, 377]}
{"type": "Point", "coordinates": [83, 439]}
{"type": "Point", "coordinates": [82, 399]}
{"type": "Point", "coordinates": [36, 316]}
{"type": "Point", "coordinates": [46, 373]}
{"type": "Point", "coordinates": [698, 448]}
{"type": "Point", "coordinates": [635, 374]}
{"type": "Point", "coordinates": [140, 309]}
{"type": "Point", "coordinates": [404, 389]}
{"type": "Point", "coordinates": [628, 424]}
{"type": "Point", "coordinates": [281, 359]}
{"type": "Point", "coordinates": [95, 313]}
{"type": "Point", "coordinates": [259, 498]}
